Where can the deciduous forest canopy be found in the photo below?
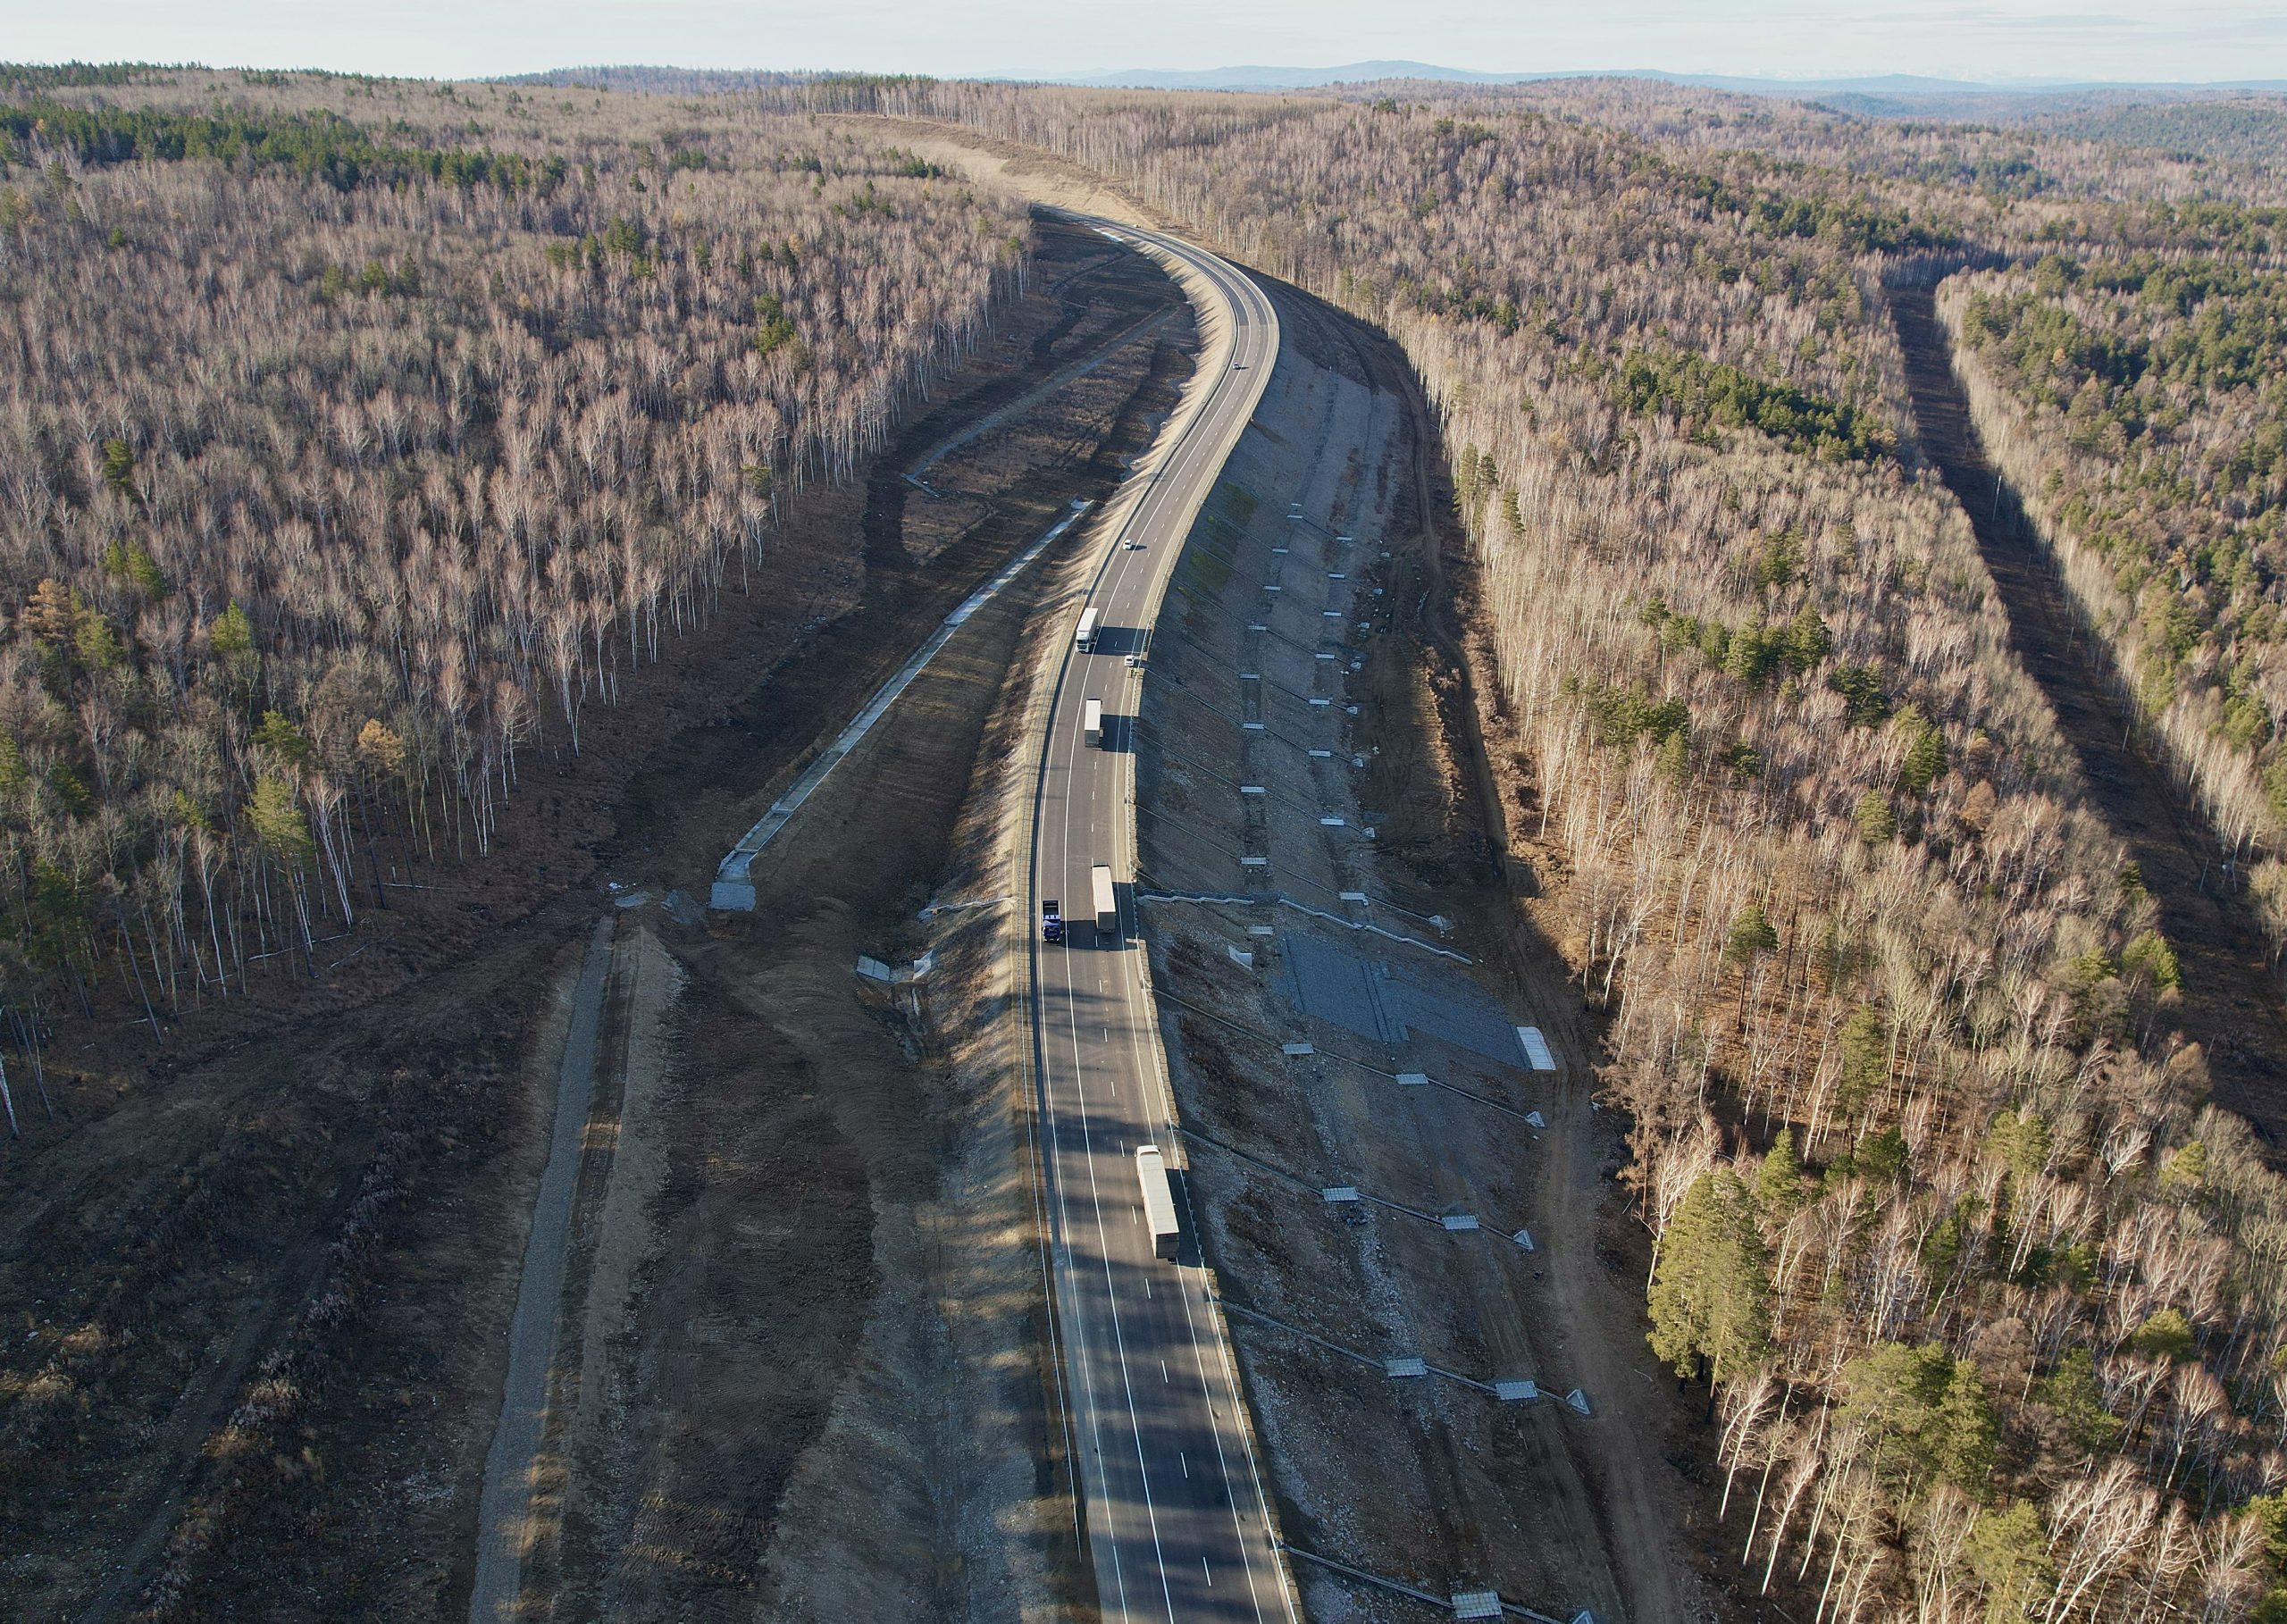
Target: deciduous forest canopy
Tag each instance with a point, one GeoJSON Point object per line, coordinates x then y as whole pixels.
{"type": "Point", "coordinates": [357, 436]}
{"type": "Point", "coordinates": [352, 447]}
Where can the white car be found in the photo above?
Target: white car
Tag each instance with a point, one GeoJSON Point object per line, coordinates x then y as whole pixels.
{"type": "Point", "coordinates": [1132, 545]}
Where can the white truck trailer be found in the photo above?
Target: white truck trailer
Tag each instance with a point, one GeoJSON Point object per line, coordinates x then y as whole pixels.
{"type": "Point", "coordinates": [1107, 903]}
{"type": "Point", "coordinates": [1159, 1204]}
{"type": "Point", "coordinates": [1092, 724]}
{"type": "Point", "coordinates": [1083, 636]}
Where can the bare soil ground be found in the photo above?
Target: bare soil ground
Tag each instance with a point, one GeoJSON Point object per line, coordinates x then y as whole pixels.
{"type": "Point", "coordinates": [2230, 1001]}
{"type": "Point", "coordinates": [1434, 1482]}
{"type": "Point", "coordinates": [260, 1285]}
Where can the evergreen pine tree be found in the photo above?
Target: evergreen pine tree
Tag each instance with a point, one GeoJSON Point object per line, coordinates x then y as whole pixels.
{"type": "Point", "coordinates": [1711, 1286]}
{"type": "Point", "coordinates": [1968, 1434]}
{"type": "Point", "coordinates": [1750, 935]}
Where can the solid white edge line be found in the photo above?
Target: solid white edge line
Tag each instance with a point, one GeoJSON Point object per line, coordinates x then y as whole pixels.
{"type": "Point", "coordinates": [1227, 280]}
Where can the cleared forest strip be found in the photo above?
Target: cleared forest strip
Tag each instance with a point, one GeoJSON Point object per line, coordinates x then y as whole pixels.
{"type": "Point", "coordinates": [2230, 998]}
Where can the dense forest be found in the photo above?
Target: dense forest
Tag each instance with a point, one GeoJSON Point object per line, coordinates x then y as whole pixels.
{"type": "Point", "coordinates": [351, 449]}
{"type": "Point", "coordinates": [1990, 1300]}
{"type": "Point", "coordinates": [357, 437]}
{"type": "Point", "coordinates": [2140, 403]}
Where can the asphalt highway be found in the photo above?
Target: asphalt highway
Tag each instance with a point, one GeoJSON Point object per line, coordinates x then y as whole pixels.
{"type": "Point", "coordinates": [1174, 1500]}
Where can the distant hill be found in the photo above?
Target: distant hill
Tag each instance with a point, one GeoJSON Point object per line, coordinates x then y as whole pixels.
{"type": "Point", "coordinates": [1874, 94]}
{"type": "Point", "coordinates": [660, 80]}
{"type": "Point", "coordinates": [1290, 79]}
{"type": "Point", "coordinates": [1881, 96]}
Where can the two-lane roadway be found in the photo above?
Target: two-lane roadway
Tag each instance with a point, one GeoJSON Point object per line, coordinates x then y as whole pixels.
{"type": "Point", "coordinates": [1173, 1502]}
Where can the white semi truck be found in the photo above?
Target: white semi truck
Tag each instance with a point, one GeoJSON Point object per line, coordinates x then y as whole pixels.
{"type": "Point", "coordinates": [1107, 903]}
{"type": "Point", "coordinates": [1083, 636]}
{"type": "Point", "coordinates": [1159, 1204]}
{"type": "Point", "coordinates": [1092, 724]}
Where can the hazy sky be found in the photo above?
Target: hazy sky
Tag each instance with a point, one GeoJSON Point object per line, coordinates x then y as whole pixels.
{"type": "Point", "coordinates": [2140, 40]}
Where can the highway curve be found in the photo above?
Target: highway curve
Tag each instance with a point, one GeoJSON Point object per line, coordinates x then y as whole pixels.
{"type": "Point", "coordinates": [1175, 1511]}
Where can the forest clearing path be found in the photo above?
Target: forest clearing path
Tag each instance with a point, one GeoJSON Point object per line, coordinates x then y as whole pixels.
{"type": "Point", "coordinates": [505, 1505]}
{"type": "Point", "coordinates": [2230, 1002]}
